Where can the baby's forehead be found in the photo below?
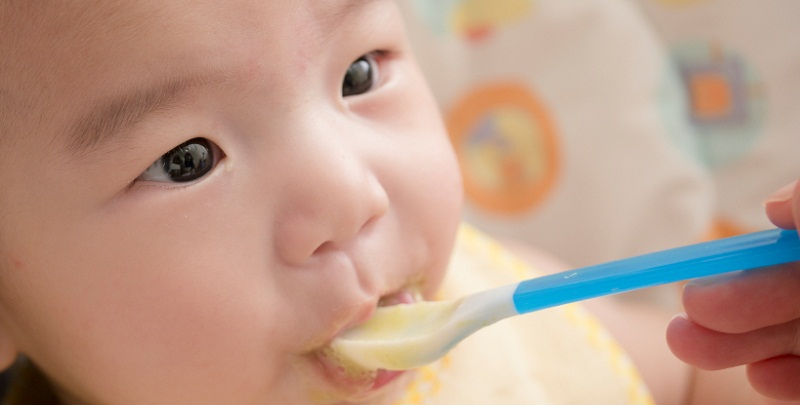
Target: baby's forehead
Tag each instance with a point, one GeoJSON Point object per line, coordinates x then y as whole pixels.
{"type": "Point", "coordinates": [35, 34]}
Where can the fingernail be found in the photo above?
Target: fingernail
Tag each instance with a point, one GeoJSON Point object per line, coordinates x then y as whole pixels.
{"type": "Point", "coordinates": [710, 281]}
{"type": "Point", "coordinates": [782, 195]}
{"type": "Point", "coordinates": [681, 315]}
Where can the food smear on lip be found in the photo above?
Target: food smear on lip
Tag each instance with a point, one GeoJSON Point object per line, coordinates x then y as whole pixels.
{"type": "Point", "coordinates": [396, 337]}
{"type": "Point", "coordinates": [346, 370]}
{"type": "Point", "coordinates": [349, 381]}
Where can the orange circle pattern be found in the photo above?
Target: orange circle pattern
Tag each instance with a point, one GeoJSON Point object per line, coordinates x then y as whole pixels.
{"type": "Point", "coordinates": [507, 147]}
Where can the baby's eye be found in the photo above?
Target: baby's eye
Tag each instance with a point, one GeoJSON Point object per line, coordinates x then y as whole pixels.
{"type": "Point", "coordinates": [361, 76]}
{"type": "Point", "coordinates": [186, 162]}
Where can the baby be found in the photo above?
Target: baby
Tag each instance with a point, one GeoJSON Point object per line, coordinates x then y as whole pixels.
{"type": "Point", "coordinates": [197, 197]}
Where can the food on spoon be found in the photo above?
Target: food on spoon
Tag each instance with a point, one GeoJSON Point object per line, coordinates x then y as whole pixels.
{"type": "Point", "coordinates": [394, 338]}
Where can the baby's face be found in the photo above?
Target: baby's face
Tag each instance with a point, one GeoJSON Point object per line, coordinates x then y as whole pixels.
{"type": "Point", "coordinates": [302, 175]}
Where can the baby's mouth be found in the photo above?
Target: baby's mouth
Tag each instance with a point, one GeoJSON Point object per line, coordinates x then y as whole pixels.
{"type": "Point", "coordinates": [346, 373]}
{"type": "Point", "coordinates": [404, 296]}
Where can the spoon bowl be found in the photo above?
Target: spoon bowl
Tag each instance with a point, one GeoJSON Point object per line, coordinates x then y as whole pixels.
{"type": "Point", "coordinates": [407, 336]}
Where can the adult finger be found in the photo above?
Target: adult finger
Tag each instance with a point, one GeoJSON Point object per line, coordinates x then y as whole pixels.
{"type": "Point", "coordinates": [711, 350]}
{"type": "Point", "coordinates": [745, 301]}
{"type": "Point", "coordinates": [777, 377]}
{"type": "Point", "coordinates": [783, 206]}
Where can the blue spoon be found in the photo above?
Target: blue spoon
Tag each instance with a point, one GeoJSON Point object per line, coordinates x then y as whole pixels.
{"type": "Point", "coordinates": [409, 336]}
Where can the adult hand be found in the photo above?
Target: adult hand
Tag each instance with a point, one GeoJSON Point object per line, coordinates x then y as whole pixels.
{"type": "Point", "coordinates": [750, 318]}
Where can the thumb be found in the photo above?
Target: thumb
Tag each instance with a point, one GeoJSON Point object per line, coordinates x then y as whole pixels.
{"type": "Point", "coordinates": [783, 206]}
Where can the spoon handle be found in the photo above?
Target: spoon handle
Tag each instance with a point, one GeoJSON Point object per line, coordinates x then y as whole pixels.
{"type": "Point", "coordinates": [748, 251]}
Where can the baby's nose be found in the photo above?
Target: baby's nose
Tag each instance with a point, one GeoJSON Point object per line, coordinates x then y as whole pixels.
{"type": "Point", "coordinates": [335, 198]}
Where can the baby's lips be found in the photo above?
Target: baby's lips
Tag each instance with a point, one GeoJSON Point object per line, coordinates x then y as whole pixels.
{"type": "Point", "coordinates": [352, 377]}
{"type": "Point", "coordinates": [344, 371]}
{"type": "Point", "coordinates": [404, 296]}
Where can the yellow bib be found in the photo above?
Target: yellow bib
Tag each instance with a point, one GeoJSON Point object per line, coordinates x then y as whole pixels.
{"type": "Point", "coordinates": [557, 356]}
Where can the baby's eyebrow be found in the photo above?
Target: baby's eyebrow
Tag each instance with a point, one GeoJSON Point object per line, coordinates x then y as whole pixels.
{"type": "Point", "coordinates": [108, 120]}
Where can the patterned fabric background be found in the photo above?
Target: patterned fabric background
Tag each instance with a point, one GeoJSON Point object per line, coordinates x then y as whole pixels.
{"type": "Point", "coordinates": [598, 129]}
